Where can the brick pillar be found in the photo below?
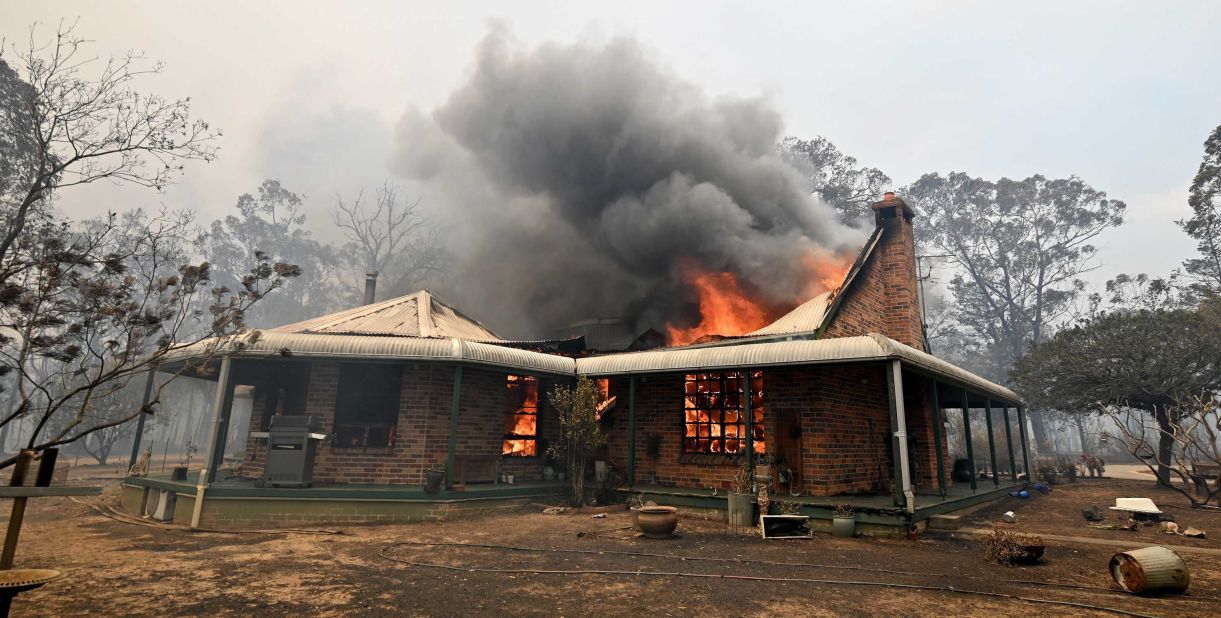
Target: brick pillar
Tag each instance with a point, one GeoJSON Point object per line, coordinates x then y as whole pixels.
{"type": "Point", "coordinates": [895, 265]}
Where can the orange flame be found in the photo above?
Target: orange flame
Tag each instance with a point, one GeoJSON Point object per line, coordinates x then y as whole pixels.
{"type": "Point", "coordinates": [524, 420]}
{"type": "Point", "coordinates": [727, 309]}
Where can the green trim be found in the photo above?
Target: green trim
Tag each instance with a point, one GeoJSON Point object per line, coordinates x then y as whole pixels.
{"type": "Point", "coordinates": [135, 443]}
{"type": "Point", "coordinates": [937, 427]}
{"type": "Point", "coordinates": [1022, 431]}
{"type": "Point", "coordinates": [452, 455]}
{"type": "Point", "coordinates": [376, 493]}
{"type": "Point", "coordinates": [1009, 443]}
{"type": "Point", "coordinates": [966, 430]}
{"type": "Point", "coordinates": [991, 441]}
{"type": "Point", "coordinates": [949, 506]}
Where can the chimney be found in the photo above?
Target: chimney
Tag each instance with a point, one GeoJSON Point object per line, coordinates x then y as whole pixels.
{"type": "Point", "coordinates": [884, 296]}
{"type": "Point", "coordinates": [895, 258]}
{"type": "Point", "coordinates": [370, 287]}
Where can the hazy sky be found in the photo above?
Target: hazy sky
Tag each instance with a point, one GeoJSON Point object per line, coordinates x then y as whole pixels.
{"type": "Point", "coordinates": [1120, 93]}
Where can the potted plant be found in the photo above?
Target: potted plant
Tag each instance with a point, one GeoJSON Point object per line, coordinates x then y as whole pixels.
{"type": "Point", "coordinates": [742, 497]}
{"type": "Point", "coordinates": [843, 522]}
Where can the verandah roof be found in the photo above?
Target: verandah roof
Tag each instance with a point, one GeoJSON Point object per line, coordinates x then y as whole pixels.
{"type": "Point", "coordinates": [872, 347]}
{"type": "Point", "coordinates": [667, 360]}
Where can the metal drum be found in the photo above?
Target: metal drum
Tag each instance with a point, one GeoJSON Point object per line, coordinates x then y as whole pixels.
{"type": "Point", "coordinates": [1148, 570]}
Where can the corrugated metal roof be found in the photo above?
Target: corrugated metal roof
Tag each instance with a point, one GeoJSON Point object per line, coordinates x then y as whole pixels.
{"type": "Point", "coordinates": [806, 318]}
{"type": "Point", "coordinates": [415, 315]}
{"type": "Point", "coordinates": [778, 353]}
{"type": "Point", "coordinates": [271, 343]}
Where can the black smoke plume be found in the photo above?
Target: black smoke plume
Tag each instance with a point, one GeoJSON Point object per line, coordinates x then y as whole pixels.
{"type": "Point", "coordinates": [581, 180]}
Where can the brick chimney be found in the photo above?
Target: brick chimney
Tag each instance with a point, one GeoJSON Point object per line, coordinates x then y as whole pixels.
{"type": "Point", "coordinates": [884, 295]}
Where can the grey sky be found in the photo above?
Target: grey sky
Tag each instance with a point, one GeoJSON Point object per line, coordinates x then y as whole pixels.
{"type": "Point", "coordinates": [1121, 93]}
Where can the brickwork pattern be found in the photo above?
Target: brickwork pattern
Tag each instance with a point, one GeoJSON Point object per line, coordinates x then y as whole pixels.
{"type": "Point", "coordinates": [885, 297]}
{"type": "Point", "coordinates": [422, 432]}
{"type": "Point", "coordinates": [845, 424]}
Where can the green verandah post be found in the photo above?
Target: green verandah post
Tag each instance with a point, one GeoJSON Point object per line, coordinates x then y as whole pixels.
{"type": "Point", "coordinates": [631, 431]}
{"type": "Point", "coordinates": [1009, 442]}
{"type": "Point", "coordinates": [937, 427]}
{"type": "Point", "coordinates": [966, 430]}
{"type": "Point", "coordinates": [1025, 450]}
{"type": "Point", "coordinates": [452, 457]}
{"type": "Point", "coordinates": [135, 443]}
{"type": "Point", "coordinates": [749, 422]}
{"type": "Point", "coordinates": [996, 480]}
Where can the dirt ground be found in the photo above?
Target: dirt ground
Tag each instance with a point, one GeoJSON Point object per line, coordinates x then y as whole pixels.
{"type": "Point", "coordinates": [118, 568]}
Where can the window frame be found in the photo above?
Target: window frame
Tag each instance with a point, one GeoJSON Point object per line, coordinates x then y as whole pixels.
{"type": "Point", "coordinates": [357, 374]}
{"type": "Point", "coordinates": [513, 411]}
{"type": "Point", "coordinates": [717, 403]}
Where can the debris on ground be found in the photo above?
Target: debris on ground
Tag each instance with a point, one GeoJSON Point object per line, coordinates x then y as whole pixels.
{"type": "Point", "coordinates": [554, 510]}
{"type": "Point", "coordinates": [1093, 513]}
{"type": "Point", "coordinates": [1009, 517]}
{"type": "Point", "coordinates": [1130, 525]}
{"type": "Point", "coordinates": [599, 516]}
{"type": "Point", "coordinates": [1043, 488]}
{"type": "Point", "coordinates": [1142, 506]}
{"type": "Point", "coordinates": [1151, 569]}
{"type": "Point", "coordinates": [1195, 533]}
{"type": "Point", "coordinates": [1007, 548]}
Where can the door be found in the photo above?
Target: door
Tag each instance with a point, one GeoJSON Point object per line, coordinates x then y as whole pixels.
{"type": "Point", "coordinates": [788, 450]}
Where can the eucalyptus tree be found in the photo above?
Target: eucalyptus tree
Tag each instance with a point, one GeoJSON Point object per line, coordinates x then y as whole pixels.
{"type": "Point", "coordinates": [1017, 249]}
{"type": "Point", "coordinates": [272, 222]}
{"type": "Point", "coordinates": [836, 177]}
{"type": "Point", "coordinates": [1204, 225]}
{"type": "Point", "coordinates": [389, 234]}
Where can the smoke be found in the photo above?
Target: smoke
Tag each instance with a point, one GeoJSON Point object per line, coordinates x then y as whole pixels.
{"type": "Point", "coordinates": [586, 181]}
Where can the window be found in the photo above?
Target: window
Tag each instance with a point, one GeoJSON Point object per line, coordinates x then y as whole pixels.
{"type": "Point", "coordinates": [714, 419]}
{"type": "Point", "coordinates": [367, 404]}
{"type": "Point", "coordinates": [284, 391]}
{"type": "Point", "coordinates": [521, 428]}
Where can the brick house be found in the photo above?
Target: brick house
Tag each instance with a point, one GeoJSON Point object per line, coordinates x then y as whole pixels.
{"type": "Point", "coordinates": [840, 396]}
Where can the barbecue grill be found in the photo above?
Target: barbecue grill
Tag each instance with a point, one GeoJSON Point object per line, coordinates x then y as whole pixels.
{"type": "Point", "coordinates": [291, 442]}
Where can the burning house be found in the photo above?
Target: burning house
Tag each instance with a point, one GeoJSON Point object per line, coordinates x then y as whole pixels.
{"type": "Point", "coordinates": [839, 395]}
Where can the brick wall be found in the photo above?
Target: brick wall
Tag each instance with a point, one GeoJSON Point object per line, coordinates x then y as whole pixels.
{"type": "Point", "coordinates": [845, 429]}
{"type": "Point", "coordinates": [422, 431]}
{"type": "Point", "coordinates": [885, 296]}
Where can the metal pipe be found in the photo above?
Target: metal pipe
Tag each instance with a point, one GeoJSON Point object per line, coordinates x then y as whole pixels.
{"type": "Point", "coordinates": [370, 287]}
{"type": "Point", "coordinates": [218, 404]}
{"type": "Point", "coordinates": [631, 431]}
{"type": "Point", "coordinates": [451, 458]}
{"type": "Point", "coordinates": [135, 442]}
{"type": "Point", "coordinates": [898, 415]}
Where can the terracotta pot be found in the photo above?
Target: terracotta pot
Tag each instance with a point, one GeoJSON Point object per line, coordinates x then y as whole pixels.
{"type": "Point", "coordinates": [657, 522]}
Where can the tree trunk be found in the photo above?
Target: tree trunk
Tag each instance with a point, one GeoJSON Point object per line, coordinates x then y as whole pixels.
{"type": "Point", "coordinates": [4, 438]}
{"type": "Point", "coordinates": [1038, 426]}
{"type": "Point", "coordinates": [1165, 446]}
{"type": "Point", "coordinates": [1085, 445]}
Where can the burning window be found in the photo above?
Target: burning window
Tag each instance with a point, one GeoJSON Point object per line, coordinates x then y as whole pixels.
{"type": "Point", "coordinates": [521, 430]}
{"type": "Point", "coordinates": [715, 420]}
{"type": "Point", "coordinates": [367, 404]}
